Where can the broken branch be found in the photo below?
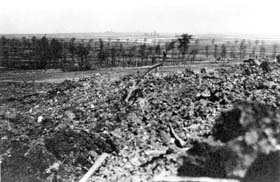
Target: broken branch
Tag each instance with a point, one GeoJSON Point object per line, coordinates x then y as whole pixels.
{"type": "Point", "coordinates": [134, 87]}
{"type": "Point", "coordinates": [95, 166]}
{"type": "Point", "coordinates": [178, 141]}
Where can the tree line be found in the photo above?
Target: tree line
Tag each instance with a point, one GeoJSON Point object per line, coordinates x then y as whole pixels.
{"type": "Point", "coordinates": [72, 54]}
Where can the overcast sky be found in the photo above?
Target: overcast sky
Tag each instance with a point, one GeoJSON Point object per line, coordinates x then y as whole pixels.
{"type": "Point", "coordinates": [190, 16]}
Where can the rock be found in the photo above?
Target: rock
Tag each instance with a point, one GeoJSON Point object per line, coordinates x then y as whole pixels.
{"type": "Point", "coordinates": [203, 70]}
{"type": "Point", "coordinates": [266, 66]}
{"type": "Point", "coordinates": [189, 71]}
{"type": "Point", "coordinates": [249, 61]}
{"type": "Point", "coordinates": [40, 119]}
{"type": "Point", "coordinates": [70, 115]}
{"type": "Point", "coordinates": [269, 84]}
{"type": "Point", "coordinates": [256, 62]}
{"type": "Point", "coordinates": [252, 62]}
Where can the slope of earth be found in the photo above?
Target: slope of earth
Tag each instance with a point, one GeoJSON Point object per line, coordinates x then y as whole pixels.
{"type": "Point", "coordinates": [55, 132]}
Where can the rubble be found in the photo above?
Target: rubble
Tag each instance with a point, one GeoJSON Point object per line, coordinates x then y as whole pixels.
{"type": "Point", "coordinates": [74, 122]}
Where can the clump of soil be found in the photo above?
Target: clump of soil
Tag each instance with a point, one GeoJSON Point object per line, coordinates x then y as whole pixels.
{"type": "Point", "coordinates": [245, 143]}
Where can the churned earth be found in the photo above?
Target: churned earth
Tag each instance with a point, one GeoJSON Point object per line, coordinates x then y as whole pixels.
{"type": "Point", "coordinates": [151, 125]}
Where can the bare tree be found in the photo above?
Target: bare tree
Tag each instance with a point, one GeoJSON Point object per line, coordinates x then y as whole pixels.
{"type": "Point", "coordinates": [257, 42]}
{"type": "Point", "coordinates": [207, 50]}
{"type": "Point", "coordinates": [184, 42]}
{"type": "Point", "coordinates": [254, 52]}
{"type": "Point", "coordinates": [142, 52]}
{"type": "Point", "coordinates": [236, 42]}
{"type": "Point", "coordinates": [242, 49]}
{"type": "Point", "coordinates": [193, 54]}
{"type": "Point", "coordinates": [158, 50]}
{"type": "Point", "coordinates": [223, 51]}
{"type": "Point", "coordinates": [213, 41]}
{"type": "Point", "coordinates": [216, 51]}
{"type": "Point", "coordinates": [232, 52]}
{"type": "Point", "coordinates": [170, 46]}
{"type": "Point", "coordinates": [72, 48]}
{"type": "Point", "coordinates": [262, 49]}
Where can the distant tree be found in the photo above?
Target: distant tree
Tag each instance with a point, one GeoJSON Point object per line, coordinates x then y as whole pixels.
{"type": "Point", "coordinates": [193, 54]}
{"type": "Point", "coordinates": [196, 49]}
{"type": "Point", "coordinates": [89, 45]}
{"type": "Point", "coordinates": [34, 44]}
{"type": "Point", "coordinates": [14, 45]}
{"type": "Point", "coordinates": [223, 51]}
{"type": "Point", "coordinates": [262, 51]}
{"type": "Point", "coordinates": [24, 44]}
{"type": "Point", "coordinates": [236, 42]}
{"type": "Point", "coordinates": [170, 46]}
{"type": "Point", "coordinates": [121, 53]}
{"type": "Point", "coordinates": [151, 54]}
{"type": "Point", "coordinates": [184, 42]}
{"type": "Point", "coordinates": [213, 41]}
{"type": "Point", "coordinates": [250, 43]}
{"type": "Point", "coordinates": [132, 53]}
{"type": "Point", "coordinates": [253, 51]}
{"type": "Point", "coordinates": [257, 42]}
{"type": "Point", "coordinates": [142, 52]}
{"type": "Point", "coordinates": [232, 52]}
{"type": "Point", "coordinates": [43, 51]}
{"type": "Point", "coordinates": [72, 48]}
{"type": "Point", "coordinates": [102, 53]}
{"type": "Point", "coordinates": [4, 47]}
{"type": "Point", "coordinates": [242, 49]}
{"type": "Point", "coordinates": [244, 52]}
{"type": "Point", "coordinates": [207, 50]}
{"type": "Point", "coordinates": [216, 51]}
{"type": "Point", "coordinates": [56, 50]}
{"type": "Point", "coordinates": [158, 50]}
{"type": "Point", "coordinates": [196, 42]}
{"type": "Point", "coordinates": [113, 54]}
{"type": "Point", "coordinates": [82, 53]}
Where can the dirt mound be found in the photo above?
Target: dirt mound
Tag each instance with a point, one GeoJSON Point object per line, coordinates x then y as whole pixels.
{"type": "Point", "coordinates": [143, 122]}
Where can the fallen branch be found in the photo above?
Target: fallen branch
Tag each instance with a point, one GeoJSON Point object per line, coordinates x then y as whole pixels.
{"type": "Point", "coordinates": [131, 91]}
{"type": "Point", "coordinates": [94, 167]}
{"type": "Point", "coordinates": [155, 152]}
{"type": "Point", "coordinates": [150, 69]}
{"type": "Point", "coordinates": [190, 179]}
{"type": "Point", "coordinates": [25, 96]}
{"type": "Point", "coordinates": [178, 141]}
{"type": "Point", "coordinates": [134, 87]}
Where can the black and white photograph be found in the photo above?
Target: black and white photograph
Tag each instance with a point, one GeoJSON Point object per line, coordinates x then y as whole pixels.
{"type": "Point", "coordinates": [139, 91]}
